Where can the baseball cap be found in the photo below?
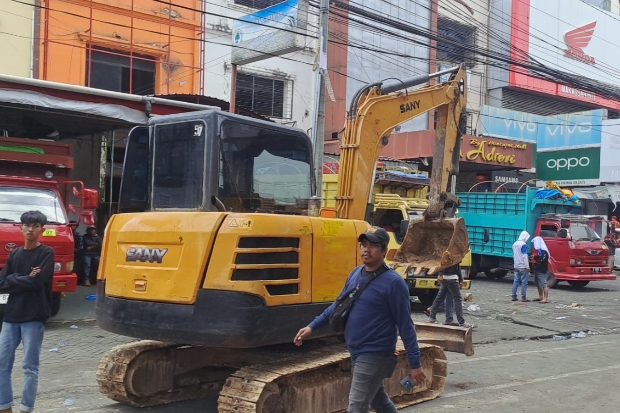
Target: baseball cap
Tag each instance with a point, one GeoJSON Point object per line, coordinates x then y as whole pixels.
{"type": "Point", "coordinates": [375, 235]}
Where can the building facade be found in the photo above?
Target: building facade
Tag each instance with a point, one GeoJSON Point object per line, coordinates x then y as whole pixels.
{"type": "Point", "coordinates": [17, 25]}
{"type": "Point", "coordinates": [142, 47]}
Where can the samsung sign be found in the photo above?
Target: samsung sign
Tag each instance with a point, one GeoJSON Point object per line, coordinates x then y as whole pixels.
{"type": "Point", "coordinates": [568, 131]}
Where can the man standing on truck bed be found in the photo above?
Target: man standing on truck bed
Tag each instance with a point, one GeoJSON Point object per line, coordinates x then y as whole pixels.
{"type": "Point", "coordinates": [27, 277]}
{"type": "Point", "coordinates": [371, 329]}
{"type": "Point", "coordinates": [522, 266]}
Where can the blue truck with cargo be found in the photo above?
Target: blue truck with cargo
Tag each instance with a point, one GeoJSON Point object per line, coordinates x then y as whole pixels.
{"type": "Point", "coordinates": [495, 220]}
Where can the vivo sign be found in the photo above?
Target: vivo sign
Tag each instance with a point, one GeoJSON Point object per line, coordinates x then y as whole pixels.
{"type": "Point", "coordinates": [573, 130]}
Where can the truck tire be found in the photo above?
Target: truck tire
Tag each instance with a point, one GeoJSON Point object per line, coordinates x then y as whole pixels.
{"type": "Point", "coordinates": [501, 274]}
{"type": "Point", "coordinates": [475, 267]}
{"type": "Point", "coordinates": [489, 274]}
{"type": "Point", "coordinates": [551, 280]}
{"type": "Point", "coordinates": [56, 298]}
{"type": "Point", "coordinates": [579, 284]}
{"type": "Point", "coordinates": [427, 299]}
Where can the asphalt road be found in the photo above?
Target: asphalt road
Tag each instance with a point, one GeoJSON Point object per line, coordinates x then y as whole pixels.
{"type": "Point", "coordinates": [517, 366]}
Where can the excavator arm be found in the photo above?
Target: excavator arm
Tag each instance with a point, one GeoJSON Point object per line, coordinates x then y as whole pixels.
{"type": "Point", "coordinates": [435, 240]}
{"type": "Point", "coordinates": [375, 111]}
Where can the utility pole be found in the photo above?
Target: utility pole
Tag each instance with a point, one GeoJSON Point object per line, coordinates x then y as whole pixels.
{"type": "Point", "coordinates": [319, 129]}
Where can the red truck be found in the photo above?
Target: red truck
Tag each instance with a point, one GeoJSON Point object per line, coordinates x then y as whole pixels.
{"type": "Point", "coordinates": [35, 174]}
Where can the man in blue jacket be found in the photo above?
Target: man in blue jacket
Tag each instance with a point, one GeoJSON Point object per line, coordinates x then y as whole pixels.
{"type": "Point", "coordinates": [377, 316]}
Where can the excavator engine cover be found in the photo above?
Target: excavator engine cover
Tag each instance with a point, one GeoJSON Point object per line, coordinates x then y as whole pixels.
{"type": "Point", "coordinates": [433, 244]}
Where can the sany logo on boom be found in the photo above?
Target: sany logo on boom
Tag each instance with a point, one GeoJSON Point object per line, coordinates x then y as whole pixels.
{"type": "Point", "coordinates": [144, 254]}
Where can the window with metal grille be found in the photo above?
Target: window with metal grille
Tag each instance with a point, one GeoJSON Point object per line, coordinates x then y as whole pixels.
{"type": "Point", "coordinates": [258, 4]}
{"type": "Point", "coordinates": [262, 95]}
{"type": "Point", "coordinates": [119, 72]}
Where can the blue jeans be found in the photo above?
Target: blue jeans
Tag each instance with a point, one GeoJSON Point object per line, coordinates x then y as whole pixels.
{"type": "Point", "coordinates": [369, 371]}
{"type": "Point", "coordinates": [31, 334]}
{"type": "Point", "coordinates": [88, 261]}
{"type": "Point", "coordinates": [521, 278]}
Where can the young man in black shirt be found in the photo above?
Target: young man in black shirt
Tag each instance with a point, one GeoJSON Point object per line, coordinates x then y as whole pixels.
{"type": "Point", "coordinates": [27, 277]}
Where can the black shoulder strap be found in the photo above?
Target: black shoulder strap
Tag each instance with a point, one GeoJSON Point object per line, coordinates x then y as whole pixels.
{"type": "Point", "coordinates": [362, 286]}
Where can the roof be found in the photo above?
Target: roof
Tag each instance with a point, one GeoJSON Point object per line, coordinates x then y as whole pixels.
{"type": "Point", "coordinates": [37, 108]}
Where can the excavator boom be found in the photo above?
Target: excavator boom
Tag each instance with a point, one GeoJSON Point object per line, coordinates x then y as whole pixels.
{"type": "Point", "coordinates": [433, 241]}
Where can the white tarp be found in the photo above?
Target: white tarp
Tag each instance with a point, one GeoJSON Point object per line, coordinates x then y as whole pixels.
{"type": "Point", "coordinates": [103, 110]}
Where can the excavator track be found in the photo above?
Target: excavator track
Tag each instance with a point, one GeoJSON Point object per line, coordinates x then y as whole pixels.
{"type": "Point", "coordinates": [278, 379]}
{"type": "Point", "coordinates": [268, 380]}
{"type": "Point", "coordinates": [320, 382]}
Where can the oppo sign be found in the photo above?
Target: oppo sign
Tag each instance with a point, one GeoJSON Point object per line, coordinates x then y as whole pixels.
{"type": "Point", "coordinates": [573, 167]}
{"type": "Point", "coordinates": [567, 163]}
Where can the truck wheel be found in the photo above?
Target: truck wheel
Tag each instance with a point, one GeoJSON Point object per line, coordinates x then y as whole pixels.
{"type": "Point", "coordinates": [474, 269]}
{"type": "Point", "coordinates": [427, 299]}
{"type": "Point", "coordinates": [579, 284]}
{"type": "Point", "coordinates": [496, 274]}
{"type": "Point", "coordinates": [56, 297]}
{"type": "Point", "coordinates": [489, 274]}
{"type": "Point", "coordinates": [501, 273]}
{"type": "Point", "coordinates": [551, 280]}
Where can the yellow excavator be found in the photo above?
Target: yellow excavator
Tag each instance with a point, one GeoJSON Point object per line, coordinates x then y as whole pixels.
{"type": "Point", "coordinates": [218, 256]}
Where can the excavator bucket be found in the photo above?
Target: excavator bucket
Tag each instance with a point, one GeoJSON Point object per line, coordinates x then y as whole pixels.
{"type": "Point", "coordinates": [449, 338]}
{"type": "Point", "coordinates": [433, 245]}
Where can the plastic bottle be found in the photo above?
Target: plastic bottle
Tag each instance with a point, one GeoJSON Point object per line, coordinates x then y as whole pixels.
{"type": "Point", "coordinates": [559, 338]}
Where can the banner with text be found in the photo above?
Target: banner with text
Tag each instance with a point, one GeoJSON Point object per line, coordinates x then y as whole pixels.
{"type": "Point", "coordinates": [567, 131]}
{"type": "Point", "coordinates": [574, 167]}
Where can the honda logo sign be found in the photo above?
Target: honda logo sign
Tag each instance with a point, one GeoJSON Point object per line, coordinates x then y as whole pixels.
{"type": "Point", "coordinates": [576, 40]}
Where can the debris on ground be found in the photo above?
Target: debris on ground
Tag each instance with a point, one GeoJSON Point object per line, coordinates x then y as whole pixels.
{"type": "Point", "coordinates": [474, 307]}
{"type": "Point", "coordinates": [561, 318]}
{"type": "Point", "coordinates": [73, 326]}
{"type": "Point", "coordinates": [468, 297]}
{"type": "Point", "coordinates": [69, 402]}
{"type": "Point", "coordinates": [560, 338]}
{"type": "Point", "coordinates": [573, 306]}
{"type": "Point", "coordinates": [580, 334]}
{"type": "Point", "coordinates": [54, 350]}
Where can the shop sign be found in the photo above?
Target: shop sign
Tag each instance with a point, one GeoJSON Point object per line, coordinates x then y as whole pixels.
{"type": "Point", "coordinates": [498, 152]}
{"type": "Point", "coordinates": [571, 130]}
{"type": "Point", "coordinates": [510, 180]}
{"type": "Point", "coordinates": [610, 151]}
{"type": "Point", "coordinates": [576, 167]}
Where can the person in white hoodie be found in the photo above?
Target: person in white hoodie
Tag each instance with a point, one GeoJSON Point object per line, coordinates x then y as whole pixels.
{"type": "Point", "coordinates": [522, 266]}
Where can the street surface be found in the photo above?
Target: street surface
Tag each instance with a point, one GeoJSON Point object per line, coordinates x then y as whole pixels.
{"type": "Point", "coordinates": [517, 366]}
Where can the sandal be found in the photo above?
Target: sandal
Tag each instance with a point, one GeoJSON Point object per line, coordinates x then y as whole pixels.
{"type": "Point", "coordinates": [525, 300]}
{"type": "Point", "coordinates": [537, 299]}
